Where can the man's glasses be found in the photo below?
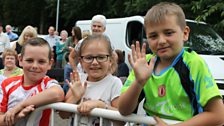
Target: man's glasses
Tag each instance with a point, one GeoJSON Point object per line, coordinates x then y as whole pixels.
{"type": "Point", "coordinates": [100, 58]}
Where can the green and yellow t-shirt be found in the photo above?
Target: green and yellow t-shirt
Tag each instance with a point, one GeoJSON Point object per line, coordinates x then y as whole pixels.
{"type": "Point", "coordinates": [181, 90]}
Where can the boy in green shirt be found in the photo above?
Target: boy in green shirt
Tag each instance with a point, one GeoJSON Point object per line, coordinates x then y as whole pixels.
{"type": "Point", "coordinates": [176, 83]}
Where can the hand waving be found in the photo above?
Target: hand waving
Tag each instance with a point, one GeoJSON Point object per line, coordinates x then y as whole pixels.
{"type": "Point", "coordinates": [141, 68]}
{"type": "Point", "coordinates": [76, 86]}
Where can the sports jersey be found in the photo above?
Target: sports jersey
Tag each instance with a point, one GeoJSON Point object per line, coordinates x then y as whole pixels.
{"type": "Point", "coordinates": [106, 90]}
{"type": "Point", "coordinates": [13, 92]}
{"type": "Point", "coordinates": [179, 91]}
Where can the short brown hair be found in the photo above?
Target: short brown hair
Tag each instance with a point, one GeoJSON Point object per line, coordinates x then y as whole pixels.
{"type": "Point", "coordinates": [120, 55]}
{"type": "Point", "coordinates": [37, 42]}
{"type": "Point", "coordinates": [77, 32]}
{"type": "Point", "coordinates": [9, 52]}
{"type": "Point", "coordinates": [159, 12]}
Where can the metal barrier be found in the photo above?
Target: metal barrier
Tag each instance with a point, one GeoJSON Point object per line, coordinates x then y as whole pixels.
{"type": "Point", "coordinates": [102, 113]}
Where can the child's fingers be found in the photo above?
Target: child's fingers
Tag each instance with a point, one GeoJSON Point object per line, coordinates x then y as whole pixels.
{"type": "Point", "coordinates": [9, 119]}
{"type": "Point", "coordinates": [130, 60]}
{"type": "Point", "coordinates": [159, 121]}
{"type": "Point", "coordinates": [67, 82]}
{"type": "Point", "coordinates": [138, 50]}
{"type": "Point", "coordinates": [71, 77]}
{"type": "Point", "coordinates": [143, 50]}
{"type": "Point", "coordinates": [76, 76]}
{"type": "Point", "coordinates": [133, 51]}
{"type": "Point", "coordinates": [85, 85]}
{"type": "Point", "coordinates": [152, 63]}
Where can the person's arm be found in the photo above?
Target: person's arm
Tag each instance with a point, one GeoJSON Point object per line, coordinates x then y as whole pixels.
{"type": "Point", "coordinates": [72, 58]}
{"type": "Point", "coordinates": [75, 92]}
{"type": "Point", "coordinates": [50, 95]}
{"type": "Point", "coordinates": [129, 99]}
{"type": "Point", "coordinates": [2, 116]}
{"type": "Point", "coordinates": [24, 112]}
{"type": "Point", "coordinates": [212, 116]}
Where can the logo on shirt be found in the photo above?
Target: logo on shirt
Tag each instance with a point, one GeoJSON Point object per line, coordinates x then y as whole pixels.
{"type": "Point", "coordinates": [162, 91]}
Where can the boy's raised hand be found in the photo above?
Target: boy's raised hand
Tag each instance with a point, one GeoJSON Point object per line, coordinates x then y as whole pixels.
{"type": "Point", "coordinates": [76, 86]}
{"type": "Point", "coordinates": [138, 62]}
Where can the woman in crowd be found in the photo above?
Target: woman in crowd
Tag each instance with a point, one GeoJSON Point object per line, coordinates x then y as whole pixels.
{"type": "Point", "coordinates": [72, 41]}
{"type": "Point", "coordinates": [27, 33]}
{"type": "Point", "coordinates": [9, 59]}
{"type": "Point", "coordinates": [60, 48]}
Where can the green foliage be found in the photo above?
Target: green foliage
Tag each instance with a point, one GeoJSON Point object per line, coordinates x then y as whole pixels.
{"type": "Point", "coordinates": [42, 13]}
{"type": "Point", "coordinates": [210, 11]}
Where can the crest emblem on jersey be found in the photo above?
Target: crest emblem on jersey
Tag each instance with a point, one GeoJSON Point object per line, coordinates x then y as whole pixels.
{"type": "Point", "coordinates": [162, 91]}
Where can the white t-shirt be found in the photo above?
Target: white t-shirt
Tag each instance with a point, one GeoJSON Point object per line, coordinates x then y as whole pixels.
{"type": "Point", "coordinates": [13, 92]}
{"type": "Point", "coordinates": [106, 89]}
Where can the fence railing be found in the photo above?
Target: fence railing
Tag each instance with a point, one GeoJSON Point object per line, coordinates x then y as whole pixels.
{"type": "Point", "coordinates": [102, 113]}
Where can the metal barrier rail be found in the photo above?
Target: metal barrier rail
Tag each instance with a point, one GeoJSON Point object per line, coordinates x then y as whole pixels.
{"type": "Point", "coordinates": [102, 113]}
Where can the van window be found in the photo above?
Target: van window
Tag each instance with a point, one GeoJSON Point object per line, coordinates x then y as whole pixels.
{"type": "Point", "coordinates": [204, 40]}
{"type": "Point", "coordinates": [135, 32]}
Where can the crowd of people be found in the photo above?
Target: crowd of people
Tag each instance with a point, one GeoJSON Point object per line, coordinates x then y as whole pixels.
{"type": "Point", "coordinates": [174, 81]}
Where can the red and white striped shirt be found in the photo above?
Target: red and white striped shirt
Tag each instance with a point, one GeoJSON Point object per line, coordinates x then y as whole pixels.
{"type": "Point", "coordinates": [13, 92]}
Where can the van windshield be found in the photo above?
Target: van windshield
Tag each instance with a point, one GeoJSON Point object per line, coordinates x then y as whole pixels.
{"type": "Point", "coordinates": [204, 40]}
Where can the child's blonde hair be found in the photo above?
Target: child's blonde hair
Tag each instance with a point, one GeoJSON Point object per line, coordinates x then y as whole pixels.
{"type": "Point", "coordinates": [159, 12]}
{"type": "Point", "coordinates": [101, 38]}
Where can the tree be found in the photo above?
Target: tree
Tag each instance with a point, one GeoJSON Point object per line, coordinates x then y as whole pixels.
{"type": "Point", "coordinates": [210, 11]}
{"type": "Point", "coordinates": [21, 13]}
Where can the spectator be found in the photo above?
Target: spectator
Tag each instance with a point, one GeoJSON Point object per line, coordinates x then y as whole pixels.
{"type": "Point", "coordinates": [4, 43]}
{"type": "Point", "coordinates": [67, 72]}
{"type": "Point", "coordinates": [9, 57]}
{"type": "Point", "coordinates": [123, 70]}
{"type": "Point", "coordinates": [52, 39]}
{"type": "Point", "coordinates": [175, 82]}
{"type": "Point", "coordinates": [27, 33]}
{"type": "Point", "coordinates": [12, 36]}
{"type": "Point", "coordinates": [72, 41]}
{"type": "Point", "coordinates": [60, 48]}
{"type": "Point", "coordinates": [97, 88]}
{"type": "Point", "coordinates": [98, 26]}
{"type": "Point", "coordinates": [19, 95]}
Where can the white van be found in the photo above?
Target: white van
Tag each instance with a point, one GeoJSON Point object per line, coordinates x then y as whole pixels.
{"type": "Point", "coordinates": [203, 39]}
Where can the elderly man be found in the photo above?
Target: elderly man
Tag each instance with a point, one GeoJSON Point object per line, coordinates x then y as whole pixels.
{"type": "Point", "coordinates": [51, 38]}
{"type": "Point", "coordinates": [12, 36]}
{"type": "Point", "coordinates": [98, 24]}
